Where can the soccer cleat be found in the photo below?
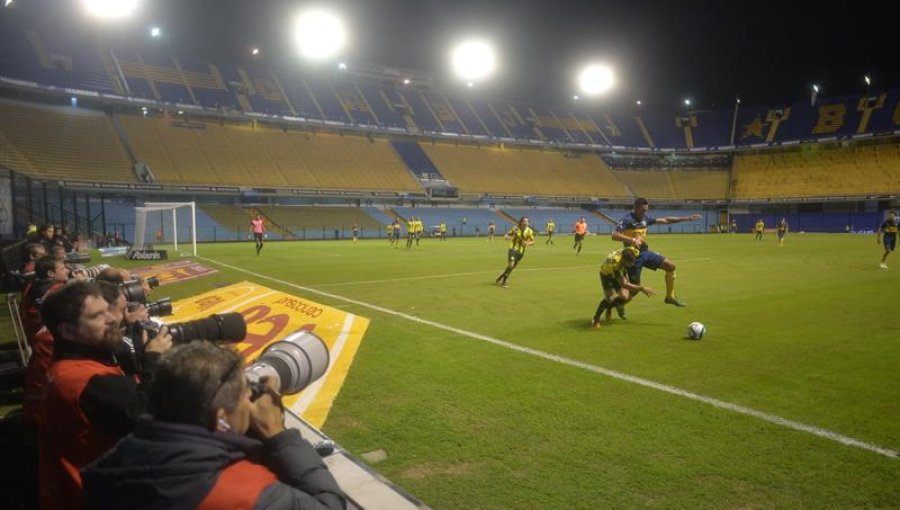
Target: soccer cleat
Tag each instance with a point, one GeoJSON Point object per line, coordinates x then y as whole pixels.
{"type": "Point", "coordinates": [504, 285]}
{"type": "Point", "coordinates": [674, 301]}
{"type": "Point", "coordinates": [883, 265]}
{"type": "Point", "coordinates": [620, 310]}
{"type": "Point", "coordinates": [595, 323]}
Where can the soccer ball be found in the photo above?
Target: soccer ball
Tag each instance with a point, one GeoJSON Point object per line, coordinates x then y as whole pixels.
{"type": "Point", "coordinates": [696, 330]}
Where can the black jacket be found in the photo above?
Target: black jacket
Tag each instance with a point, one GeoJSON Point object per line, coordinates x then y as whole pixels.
{"type": "Point", "coordinates": [173, 466]}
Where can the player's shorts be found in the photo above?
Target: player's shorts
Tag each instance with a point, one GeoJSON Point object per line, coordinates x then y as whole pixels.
{"type": "Point", "coordinates": [579, 237]}
{"type": "Point", "coordinates": [396, 235]}
{"type": "Point", "coordinates": [649, 259]}
{"type": "Point", "coordinates": [781, 234]}
{"type": "Point", "coordinates": [258, 237]}
{"type": "Point", "coordinates": [610, 283]}
{"type": "Point", "coordinates": [515, 255]}
{"type": "Point", "coordinates": [890, 242]}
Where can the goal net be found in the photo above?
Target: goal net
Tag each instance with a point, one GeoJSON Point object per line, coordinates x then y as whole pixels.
{"type": "Point", "coordinates": [166, 224]}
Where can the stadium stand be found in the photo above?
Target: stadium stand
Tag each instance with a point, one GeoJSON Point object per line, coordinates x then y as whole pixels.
{"type": "Point", "coordinates": [820, 172]}
{"type": "Point", "coordinates": [502, 171]}
{"type": "Point", "coordinates": [244, 155]}
{"type": "Point", "coordinates": [62, 143]}
{"type": "Point", "coordinates": [320, 222]}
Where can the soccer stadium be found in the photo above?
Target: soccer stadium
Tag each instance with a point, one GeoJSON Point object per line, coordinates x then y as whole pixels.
{"type": "Point", "coordinates": [339, 227]}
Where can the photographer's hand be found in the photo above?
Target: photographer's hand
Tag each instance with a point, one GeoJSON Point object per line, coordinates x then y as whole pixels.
{"type": "Point", "coordinates": [161, 343]}
{"type": "Point", "coordinates": [266, 413]}
{"type": "Point", "coordinates": [139, 313]}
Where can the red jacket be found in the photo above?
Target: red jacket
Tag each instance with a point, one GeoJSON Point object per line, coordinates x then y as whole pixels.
{"type": "Point", "coordinates": [68, 440]}
{"type": "Point", "coordinates": [239, 486]}
{"type": "Point", "coordinates": [36, 375]}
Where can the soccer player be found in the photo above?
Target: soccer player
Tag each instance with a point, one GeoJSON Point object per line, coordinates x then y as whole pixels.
{"type": "Point", "coordinates": [760, 229]}
{"type": "Point", "coordinates": [492, 227]}
{"type": "Point", "coordinates": [420, 230]}
{"type": "Point", "coordinates": [520, 237]}
{"type": "Point", "coordinates": [257, 227]}
{"type": "Point", "coordinates": [390, 232]}
{"type": "Point", "coordinates": [395, 240]}
{"type": "Point", "coordinates": [617, 290]}
{"type": "Point", "coordinates": [580, 230]}
{"type": "Point", "coordinates": [734, 226]}
{"type": "Point", "coordinates": [781, 230]}
{"type": "Point", "coordinates": [888, 230]}
{"type": "Point", "coordinates": [443, 231]}
{"type": "Point", "coordinates": [355, 230]}
{"type": "Point", "coordinates": [631, 231]}
{"type": "Point", "coordinates": [551, 228]}
{"type": "Point", "coordinates": [410, 231]}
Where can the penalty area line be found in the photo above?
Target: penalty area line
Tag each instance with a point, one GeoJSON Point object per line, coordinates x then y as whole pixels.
{"type": "Point", "coordinates": [672, 390]}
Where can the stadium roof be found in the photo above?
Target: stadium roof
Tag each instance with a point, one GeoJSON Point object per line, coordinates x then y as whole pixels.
{"type": "Point", "coordinates": [766, 52]}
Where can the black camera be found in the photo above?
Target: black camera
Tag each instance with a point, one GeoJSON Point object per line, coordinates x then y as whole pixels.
{"type": "Point", "coordinates": [220, 327]}
{"type": "Point", "coordinates": [294, 362]}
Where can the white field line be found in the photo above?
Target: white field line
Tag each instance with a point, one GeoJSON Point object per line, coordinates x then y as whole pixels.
{"type": "Point", "coordinates": [721, 404]}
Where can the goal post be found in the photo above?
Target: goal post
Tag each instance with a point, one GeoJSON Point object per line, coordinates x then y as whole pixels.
{"type": "Point", "coordinates": [168, 214]}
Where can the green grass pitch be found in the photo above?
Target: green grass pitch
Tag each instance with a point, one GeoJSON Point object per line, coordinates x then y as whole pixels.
{"type": "Point", "coordinates": [807, 332]}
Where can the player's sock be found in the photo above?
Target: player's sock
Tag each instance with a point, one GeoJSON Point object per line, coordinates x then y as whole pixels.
{"type": "Point", "coordinates": [670, 284]}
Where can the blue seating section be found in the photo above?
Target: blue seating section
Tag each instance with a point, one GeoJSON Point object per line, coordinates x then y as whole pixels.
{"type": "Point", "coordinates": [416, 160]}
{"type": "Point", "coordinates": [33, 51]}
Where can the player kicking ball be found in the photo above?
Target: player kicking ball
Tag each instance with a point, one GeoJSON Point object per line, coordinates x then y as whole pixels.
{"type": "Point", "coordinates": [617, 290]}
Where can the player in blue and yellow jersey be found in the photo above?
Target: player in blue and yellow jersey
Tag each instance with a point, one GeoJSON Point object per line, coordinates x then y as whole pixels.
{"type": "Point", "coordinates": [632, 230]}
{"type": "Point", "coordinates": [420, 229]}
{"type": "Point", "coordinates": [781, 230]}
{"type": "Point", "coordinates": [888, 231]}
{"type": "Point", "coordinates": [442, 230]}
{"type": "Point", "coordinates": [551, 228]}
{"type": "Point", "coordinates": [760, 229]}
{"type": "Point", "coordinates": [389, 228]}
{"type": "Point", "coordinates": [617, 289]}
{"type": "Point", "coordinates": [410, 231]}
{"type": "Point", "coordinates": [520, 237]}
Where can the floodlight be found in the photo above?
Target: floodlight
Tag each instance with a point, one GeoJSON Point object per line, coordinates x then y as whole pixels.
{"type": "Point", "coordinates": [868, 80]}
{"type": "Point", "coordinates": [596, 79]}
{"type": "Point", "coordinates": [254, 51]}
{"type": "Point", "coordinates": [638, 102]}
{"type": "Point", "coordinates": [319, 34]}
{"type": "Point", "coordinates": [155, 32]}
{"type": "Point", "coordinates": [815, 88]}
{"type": "Point", "coordinates": [470, 84]}
{"type": "Point", "coordinates": [575, 98]}
{"type": "Point", "coordinates": [7, 3]}
{"type": "Point", "coordinates": [342, 66]}
{"type": "Point", "coordinates": [406, 81]}
{"type": "Point", "coordinates": [473, 60]}
{"type": "Point", "coordinates": [111, 9]}
{"type": "Point", "coordinates": [687, 102]}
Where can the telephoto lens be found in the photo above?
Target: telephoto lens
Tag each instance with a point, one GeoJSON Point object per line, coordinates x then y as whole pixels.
{"type": "Point", "coordinates": [294, 362]}
{"type": "Point", "coordinates": [152, 281]}
{"type": "Point", "coordinates": [220, 327]}
{"type": "Point", "coordinates": [90, 272]}
{"type": "Point", "coordinates": [134, 291]}
{"type": "Point", "coordinates": [161, 308]}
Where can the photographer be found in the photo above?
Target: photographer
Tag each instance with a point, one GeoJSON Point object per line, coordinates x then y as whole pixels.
{"type": "Point", "coordinates": [48, 273]}
{"type": "Point", "coordinates": [193, 453]}
{"type": "Point", "coordinates": [89, 402]}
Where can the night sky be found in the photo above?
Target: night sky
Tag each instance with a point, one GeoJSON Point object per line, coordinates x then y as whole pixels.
{"type": "Point", "coordinates": [766, 52]}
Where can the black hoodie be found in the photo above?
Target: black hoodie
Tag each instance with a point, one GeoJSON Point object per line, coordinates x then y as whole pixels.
{"type": "Point", "coordinates": [173, 466]}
